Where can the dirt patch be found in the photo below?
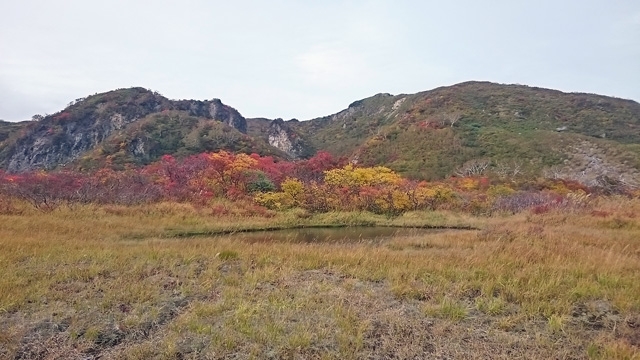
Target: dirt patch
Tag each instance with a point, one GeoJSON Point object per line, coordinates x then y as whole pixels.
{"type": "Point", "coordinates": [597, 314]}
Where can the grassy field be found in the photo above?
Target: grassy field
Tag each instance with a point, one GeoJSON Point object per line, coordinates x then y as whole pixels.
{"type": "Point", "coordinates": [134, 283]}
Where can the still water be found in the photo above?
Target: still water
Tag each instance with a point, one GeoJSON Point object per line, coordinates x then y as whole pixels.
{"type": "Point", "coordinates": [352, 234]}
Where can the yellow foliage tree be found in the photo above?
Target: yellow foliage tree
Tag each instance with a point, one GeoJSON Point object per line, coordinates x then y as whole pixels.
{"type": "Point", "coordinates": [274, 200]}
{"type": "Point", "coordinates": [290, 196]}
{"type": "Point", "coordinates": [400, 201]}
{"type": "Point", "coordinates": [294, 189]}
{"type": "Point", "coordinates": [430, 196]}
{"type": "Point", "coordinates": [355, 177]}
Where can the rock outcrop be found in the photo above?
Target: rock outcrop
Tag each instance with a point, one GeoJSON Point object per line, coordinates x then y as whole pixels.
{"type": "Point", "coordinates": [58, 139]}
{"type": "Point", "coordinates": [281, 136]}
{"type": "Point", "coordinates": [214, 109]}
{"type": "Point", "coordinates": [61, 138]}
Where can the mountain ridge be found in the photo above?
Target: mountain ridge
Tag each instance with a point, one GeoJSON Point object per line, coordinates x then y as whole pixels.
{"type": "Point", "coordinates": [430, 134]}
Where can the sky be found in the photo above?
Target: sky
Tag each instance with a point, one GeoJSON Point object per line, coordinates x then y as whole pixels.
{"type": "Point", "coordinates": [305, 59]}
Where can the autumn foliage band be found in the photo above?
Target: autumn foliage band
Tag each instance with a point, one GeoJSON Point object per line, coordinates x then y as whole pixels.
{"type": "Point", "coordinates": [262, 184]}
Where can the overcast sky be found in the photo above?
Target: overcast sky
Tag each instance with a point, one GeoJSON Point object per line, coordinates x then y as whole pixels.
{"type": "Point", "coordinates": [304, 59]}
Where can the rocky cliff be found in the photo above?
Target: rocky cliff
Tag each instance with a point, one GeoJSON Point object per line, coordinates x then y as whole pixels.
{"type": "Point", "coordinates": [214, 109]}
{"type": "Point", "coordinates": [282, 135]}
{"type": "Point", "coordinates": [61, 138]}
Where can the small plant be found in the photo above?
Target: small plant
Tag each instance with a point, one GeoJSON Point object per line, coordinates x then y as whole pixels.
{"type": "Point", "coordinates": [92, 333]}
{"type": "Point", "coordinates": [492, 306]}
{"type": "Point", "coordinates": [448, 309]}
{"type": "Point", "coordinates": [453, 310]}
{"type": "Point", "coordinates": [227, 255]}
{"type": "Point", "coordinates": [594, 351]}
{"type": "Point", "coordinates": [556, 324]}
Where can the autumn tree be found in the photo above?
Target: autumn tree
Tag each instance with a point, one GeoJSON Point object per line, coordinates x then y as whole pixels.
{"type": "Point", "coordinates": [351, 176]}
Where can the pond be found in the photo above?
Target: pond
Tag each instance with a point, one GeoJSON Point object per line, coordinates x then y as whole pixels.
{"type": "Point", "coordinates": [341, 235]}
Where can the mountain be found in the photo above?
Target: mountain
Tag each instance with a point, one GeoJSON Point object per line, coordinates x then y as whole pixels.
{"type": "Point", "coordinates": [465, 129]}
{"type": "Point", "coordinates": [512, 128]}
{"type": "Point", "coordinates": [127, 126]}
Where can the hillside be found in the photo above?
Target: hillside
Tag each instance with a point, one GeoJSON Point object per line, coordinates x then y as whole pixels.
{"type": "Point", "coordinates": [7, 129]}
{"type": "Point", "coordinates": [434, 134]}
{"type": "Point", "coordinates": [462, 129]}
{"type": "Point", "coordinates": [171, 132]}
{"type": "Point", "coordinates": [127, 126]}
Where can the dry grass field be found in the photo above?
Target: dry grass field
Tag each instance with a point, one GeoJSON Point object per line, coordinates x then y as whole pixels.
{"type": "Point", "coordinates": [166, 281]}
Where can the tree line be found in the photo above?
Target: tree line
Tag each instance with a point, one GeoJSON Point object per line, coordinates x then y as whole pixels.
{"type": "Point", "coordinates": [319, 184]}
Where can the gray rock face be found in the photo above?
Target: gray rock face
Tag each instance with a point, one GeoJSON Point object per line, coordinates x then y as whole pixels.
{"type": "Point", "coordinates": [214, 109]}
{"type": "Point", "coordinates": [281, 136]}
{"type": "Point", "coordinates": [50, 144]}
{"type": "Point", "coordinates": [227, 115]}
{"type": "Point", "coordinates": [61, 138]}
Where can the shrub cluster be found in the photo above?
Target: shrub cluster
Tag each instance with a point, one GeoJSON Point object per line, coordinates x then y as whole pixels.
{"type": "Point", "coordinates": [319, 184]}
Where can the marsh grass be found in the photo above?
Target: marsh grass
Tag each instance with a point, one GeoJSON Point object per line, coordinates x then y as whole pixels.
{"type": "Point", "coordinates": [115, 281]}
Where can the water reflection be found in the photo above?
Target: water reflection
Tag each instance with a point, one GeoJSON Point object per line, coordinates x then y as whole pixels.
{"type": "Point", "coordinates": [353, 234]}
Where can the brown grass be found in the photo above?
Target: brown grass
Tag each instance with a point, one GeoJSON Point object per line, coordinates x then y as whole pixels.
{"type": "Point", "coordinates": [111, 282]}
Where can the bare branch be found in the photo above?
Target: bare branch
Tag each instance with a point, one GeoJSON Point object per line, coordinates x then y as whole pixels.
{"type": "Point", "coordinates": [452, 118]}
{"type": "Point", "coordinates": [473, 167]}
